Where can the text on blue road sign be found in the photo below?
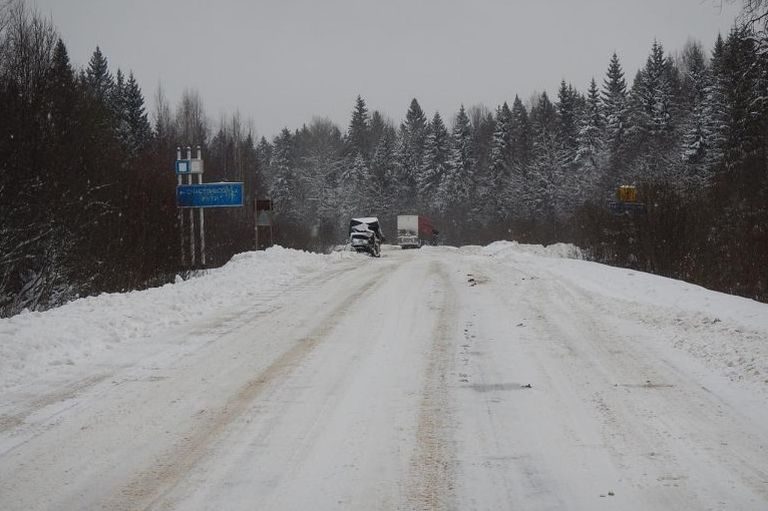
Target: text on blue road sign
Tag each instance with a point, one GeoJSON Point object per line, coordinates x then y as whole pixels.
{"type": "Point", "coordinates": [210, 195]}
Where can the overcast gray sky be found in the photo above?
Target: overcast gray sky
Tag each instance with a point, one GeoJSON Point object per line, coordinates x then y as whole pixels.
{"type": "Point", "coordinates": [281, 62]}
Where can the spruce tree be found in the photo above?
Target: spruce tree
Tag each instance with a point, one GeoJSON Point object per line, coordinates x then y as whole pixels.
{"type": "Point", "coordinates": [695, 142]}
{"type": "Point", "coordinates": [483, 125]}
{"type": "Point", "coordinates": [139, 130]}
{"type": "Point", "coordinates": [590, 154]}
{"type": "Point", "coordinates": [116, 98]}
{"type": "Point", "coordinates": [433, 163]}
{"type": "Point", "coordinates": [283, 176]}
{"type": "Point", "coordinates": [264, 152]}
{"type": "Point", "coordinates": [61, 91]}
{"type": "Point", "coordinates": [411, 150]}
{"type": "Point", "coordinates": [545, 194]}
{"type": "Point", "coordinates": [740, 75]}
{"type": "Point", "coordinates": [385, 173]}
{"type": "Point", "coordinates": [357, 189]}
{"type": "Point", "coordinates": [377, 127]}
{"type": "Point", "coordinates": [358, 134]}
{"type": "Point", "coordinates": [693, 68]}
{"type": "Point", "coordinates": [520, 136]}
{"type": "Point", "coordinates": [521, 154]}
{"type": "Point", "coordinates": [457, 185]}
{"type": "Point", "coordinates": [493, 198]}
{"type": "Point", "coordinates": [118, 108]}
{"type": "Point", "coordinates": [615, 111]}
{"type": "Point", "coordinates": [97, 75]}
{"type": "Point", "coordinates": [502, 142]}
{"type": "Point", "coordinates": [62, 108]}
{"type": "Point", "coordinates": [383, 163]}
{"type": "Point", "coordinates": [715, 111]}
{"type": "Point", "coordinates": [566, 109]}
{"type": "Point", "coordinates": [652, 96]}
{"type": "Point", "coordinates": [415, 124]}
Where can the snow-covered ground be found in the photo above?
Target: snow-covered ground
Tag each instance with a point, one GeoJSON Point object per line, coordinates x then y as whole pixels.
{"type": "Point", "coordinates": [500, 377]}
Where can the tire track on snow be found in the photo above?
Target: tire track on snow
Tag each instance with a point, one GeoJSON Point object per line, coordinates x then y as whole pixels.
{"type": "Point", "coordinates": [431, 486]}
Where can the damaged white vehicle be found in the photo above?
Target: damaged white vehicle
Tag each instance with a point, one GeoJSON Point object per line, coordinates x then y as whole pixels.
{"type": "Point", "coordinates": [365, 235]}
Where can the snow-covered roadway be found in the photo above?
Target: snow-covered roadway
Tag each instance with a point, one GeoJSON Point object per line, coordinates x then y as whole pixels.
{"type": "Point", "coordinates": [473, 378]}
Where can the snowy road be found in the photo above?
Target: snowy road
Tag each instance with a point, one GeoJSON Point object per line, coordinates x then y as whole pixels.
{"type": "Point", "coordinates": [432, 379]}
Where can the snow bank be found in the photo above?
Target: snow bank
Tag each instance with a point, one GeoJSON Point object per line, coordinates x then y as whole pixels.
{"type": "Point", "coordinates": [32, 342]}
{"type": "Point", "coordinates": [728, 333]}
{"type": "Point", "coordinates": [511, 249]}
{"type": "Point", "coordinates": [674, 296]}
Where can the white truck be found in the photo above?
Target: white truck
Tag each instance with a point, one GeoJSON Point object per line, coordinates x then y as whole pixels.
{"type": "Point", "coordinates": [414, 231]}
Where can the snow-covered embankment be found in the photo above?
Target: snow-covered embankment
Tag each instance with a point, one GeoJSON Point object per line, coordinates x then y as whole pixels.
{"type": "Point", "coordinates": [90, 328]}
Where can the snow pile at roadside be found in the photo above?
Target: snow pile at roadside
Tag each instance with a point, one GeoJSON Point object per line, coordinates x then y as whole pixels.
{"type": "Point", "coordinates": [674, 296]}
{"type": "Point", "coordinates": [725, 331]}
{"type": "Point", "coordinates": [32, 342]}
{"type": "Point", "coordinates": [728, 333]}
{"type": "Point", "coordinates": [511, 249]}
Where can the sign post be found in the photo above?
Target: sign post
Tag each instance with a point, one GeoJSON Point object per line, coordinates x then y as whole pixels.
{"type": "Point", "coordinates": [202, 216]}
{"type": "Point", "coordinates": [181, 213]}
{"type": "Point", "coordinates": [191, 213]}
{"type": "Point", "coordinates": [263, 219]}
{"type": "Point", "coordinates": [200, 196]}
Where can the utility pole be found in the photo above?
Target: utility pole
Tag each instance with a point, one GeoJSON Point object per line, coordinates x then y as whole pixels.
{"type": "Point", "coordinates": [179, 181]}
{"type": "Point", "coordinates": [202, 215]}
{"type": "Point", "coordinates": [191, 220]}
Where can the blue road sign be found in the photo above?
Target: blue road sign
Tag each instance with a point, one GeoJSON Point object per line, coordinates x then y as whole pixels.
{"type": "Point", "coordinates": [626, 208]}
{"type": "Point", "coordinates": [210, 195]}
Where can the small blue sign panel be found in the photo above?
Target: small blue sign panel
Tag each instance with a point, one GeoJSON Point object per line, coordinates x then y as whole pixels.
{"type": "Point", "coordinates": [183, 167]}
{"type": "Point", "coordinates": [210, 195]}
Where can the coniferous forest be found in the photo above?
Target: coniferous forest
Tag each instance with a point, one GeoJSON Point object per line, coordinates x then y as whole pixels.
{"type": "Point", "coordinates": [87, 188]}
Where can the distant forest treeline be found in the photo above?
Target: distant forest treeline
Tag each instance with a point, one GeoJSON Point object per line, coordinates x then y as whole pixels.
{"type": "Point", "coordinates": [87, 201]}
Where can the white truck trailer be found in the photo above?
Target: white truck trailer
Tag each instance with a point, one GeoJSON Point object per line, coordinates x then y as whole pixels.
{"type": "Point", "coordinates": [414, 231]}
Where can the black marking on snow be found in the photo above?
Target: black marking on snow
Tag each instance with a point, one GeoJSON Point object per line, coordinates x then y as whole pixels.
{"type": "Point", "coordinates": [495, 387]}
